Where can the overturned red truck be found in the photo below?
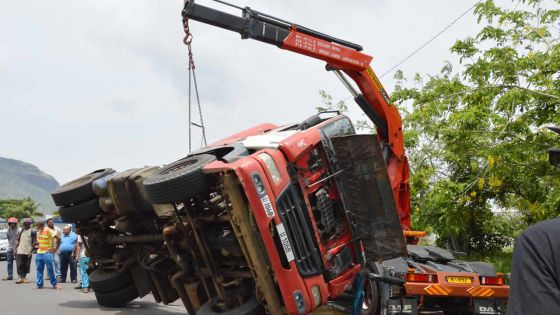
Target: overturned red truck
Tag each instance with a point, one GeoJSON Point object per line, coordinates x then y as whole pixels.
{"type": "Point", "coordinates": [277, 219]}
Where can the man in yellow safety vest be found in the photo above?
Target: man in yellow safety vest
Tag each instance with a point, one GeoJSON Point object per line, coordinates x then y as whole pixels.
{"type": "Point", "coordinates": [44, 257]}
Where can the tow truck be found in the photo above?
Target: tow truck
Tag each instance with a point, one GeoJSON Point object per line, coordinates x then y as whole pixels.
{"type": "Point", "coordinates": [277, 219]}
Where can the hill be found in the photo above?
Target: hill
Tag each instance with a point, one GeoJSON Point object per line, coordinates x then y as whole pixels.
{"type": "Point", "coordinates": [19, 180]}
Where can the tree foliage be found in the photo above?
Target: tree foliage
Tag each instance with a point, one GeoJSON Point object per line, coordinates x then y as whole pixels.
{"type": "Point", "coordinates": [327, 103]}
{"type": "Point", "coordinates": [19, 208]}
{"type": "Point", "coordinates": [474, 132]}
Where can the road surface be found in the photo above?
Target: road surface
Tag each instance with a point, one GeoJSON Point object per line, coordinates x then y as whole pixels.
{"type": "Point", "coordinates": [22, 299]}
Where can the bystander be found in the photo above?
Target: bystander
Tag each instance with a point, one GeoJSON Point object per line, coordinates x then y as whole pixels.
{"type": "Point", "coordinates": [13, 231]}
{"type": "Point", "coordinates": [56, 255]}
{"type": "Point", "coordinates": [46, 239]}
{"type": "Point", "coordinates": [24, 250]}
{"type": "Point", "coordinates": [68, 244]}
{"type": "Point", "coordinates": [84, 264]}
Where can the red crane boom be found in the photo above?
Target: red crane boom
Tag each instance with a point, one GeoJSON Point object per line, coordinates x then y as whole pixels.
{"type": "Point", "coordinates": [342, 57]}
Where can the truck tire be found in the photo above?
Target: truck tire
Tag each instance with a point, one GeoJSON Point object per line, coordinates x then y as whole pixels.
{"type": "Point", "coordinates": [251, 307]}
{"type": "Point", "coordinates": [179, 180]}
{"type": "Point", "coordinates": [117, 298]}
{"type": "Point", "coordinates": [80, 212]}
{"type": "Point", "coordinates": [78, 190]}
{"type": "Point", "coordinates": [102, 281]}
{"type": "Point", "coordinates": [370, 306]}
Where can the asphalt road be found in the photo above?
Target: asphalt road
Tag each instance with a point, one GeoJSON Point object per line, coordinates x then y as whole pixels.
{"type": "Point", "coordinates": [22, 299]}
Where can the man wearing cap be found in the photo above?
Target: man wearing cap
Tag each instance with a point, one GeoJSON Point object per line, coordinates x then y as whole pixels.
{"type": "Point", "coordinates": [47, 247]}
{"type": "Point", "coordinates": [24, 250]}
{"type": "Point", "coordinates": [13, 231]}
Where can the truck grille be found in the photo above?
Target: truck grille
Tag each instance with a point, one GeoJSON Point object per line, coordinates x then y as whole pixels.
{"type": "Point", "coordinates": [295, 217]}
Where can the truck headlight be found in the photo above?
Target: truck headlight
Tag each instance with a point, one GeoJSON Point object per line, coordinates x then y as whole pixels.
{"type": "Point", "coordinates": [271, 165]}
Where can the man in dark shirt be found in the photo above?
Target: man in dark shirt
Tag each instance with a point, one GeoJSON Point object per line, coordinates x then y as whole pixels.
{"type": "Point", "coordinates": [535, 274]}
{"type": "Point", "coordinates": [13, 232]}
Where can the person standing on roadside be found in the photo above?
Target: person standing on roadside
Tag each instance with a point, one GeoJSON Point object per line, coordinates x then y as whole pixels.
{"type": "Point", "coordinates": [56, 255]}
{"type": "Point", "coordinates": [84, 264]}
{"type": "Point", "coordinates": [46, 239]}
{"type": "Point", "coordinates": [68, 244]}
{"type": "Point", "coordinates": [13, 232]}
{"type": "Point", "coordinates": [24, 250]}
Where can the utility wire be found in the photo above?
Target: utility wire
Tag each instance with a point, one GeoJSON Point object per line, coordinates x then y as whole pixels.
{"type": "Point", "coordinates": [430, 40]}
{"type": "Point", "coordinates": [421, 47]}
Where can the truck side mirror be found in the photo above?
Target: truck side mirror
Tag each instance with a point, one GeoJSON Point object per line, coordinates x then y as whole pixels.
{"type": "Point", "coordinates": [554, 156]}
{"type": "Point", "coordinates": [554, 153]}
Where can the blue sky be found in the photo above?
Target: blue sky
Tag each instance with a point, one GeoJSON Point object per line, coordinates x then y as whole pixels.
{"type": "Point", "coordinates": [92, 84]}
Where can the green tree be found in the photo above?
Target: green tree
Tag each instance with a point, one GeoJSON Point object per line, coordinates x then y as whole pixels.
{"type": "Point", "coordinates": [19, 208]}
{"type": "Point", "coordinates": [327, 103]}
{"type": "Point", "coordinates": [475, 134]}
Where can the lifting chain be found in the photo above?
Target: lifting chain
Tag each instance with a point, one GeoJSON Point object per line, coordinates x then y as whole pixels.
{"type": "Point", "coordinates": [192, 81]}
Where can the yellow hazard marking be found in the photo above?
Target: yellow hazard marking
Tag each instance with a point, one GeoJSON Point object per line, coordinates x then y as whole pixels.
{"type": "Point", "coordinates": [481, 291]}
{"type": "Point", "coordinates": [378, 85]}
{"type": "Point", "coordinates": [437, 290]}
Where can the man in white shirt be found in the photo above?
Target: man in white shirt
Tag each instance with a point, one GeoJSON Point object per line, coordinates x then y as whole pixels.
{"type": "Point", "coordinates": [84, 264]}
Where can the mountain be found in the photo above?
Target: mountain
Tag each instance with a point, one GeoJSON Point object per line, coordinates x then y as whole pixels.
{"type": "Point", "coordinates": [19, 179]}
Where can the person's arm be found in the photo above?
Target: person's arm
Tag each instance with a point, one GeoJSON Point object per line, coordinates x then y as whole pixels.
{"type": "Point", "coordinates": [17, 242]}
{"type": "Point", "coordinates": [77, 250]}
{"type": "Point", "coordinates": [75, 246]}
{"type": "Point", "coordinates": [55, 236]}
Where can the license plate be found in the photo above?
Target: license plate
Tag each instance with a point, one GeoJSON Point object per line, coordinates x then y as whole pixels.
{"type": "Point", "coordinates": [285, 242]}
{"type": "Point", "coordinates": [466, 280]}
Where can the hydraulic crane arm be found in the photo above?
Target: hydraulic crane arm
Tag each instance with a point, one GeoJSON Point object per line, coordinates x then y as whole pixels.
{"type": "Point", "coordinates": [342, 57]}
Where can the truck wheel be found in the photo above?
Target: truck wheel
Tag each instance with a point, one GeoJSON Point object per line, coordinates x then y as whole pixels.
{"type": "Point", "coordinates": [117, 298]}
{"type": "Point", "coordinates": [179, 180]}
{"type": "Point", "coordinates": [102, 281]}
{"type": "Point", "coordinates": [80, 212]}
{"type": "Point", "coordinates": [251, 307]}
{"type": "Point", "coordinates": [370, 306]}
{"type": "Point", "coordinates": [78, 190]}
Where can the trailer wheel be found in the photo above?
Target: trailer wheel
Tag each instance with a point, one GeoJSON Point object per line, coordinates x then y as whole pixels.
{"type": "Point", "coordinates": [251, 307]}
{"type": "Point", "coordinates": [179, 180]}
{"type": "Point", "coordinates": [370, 306]}
{"type": "Point", "coordinates": [78, 190]}
{"type": "Point", "coordinates": [102, 281]}
{"type": "Point", "coordinates": [117, 298]}
{"type": "Point", "coordinates": [80, 212]}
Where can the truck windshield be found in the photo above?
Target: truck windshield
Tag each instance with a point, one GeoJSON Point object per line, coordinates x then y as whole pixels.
{"type": "Point", "coordinates": [3, 235]}
{"type": "Point", "coordinates": [339, 127]}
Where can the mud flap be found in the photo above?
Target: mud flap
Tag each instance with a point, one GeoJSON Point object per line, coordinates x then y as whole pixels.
{"type": "Point", "coordinates": [408, 306]}
{"type": "Point", "coordinates": [487, 307]}
{"type": "Point", "coordinates": [368, 197]}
